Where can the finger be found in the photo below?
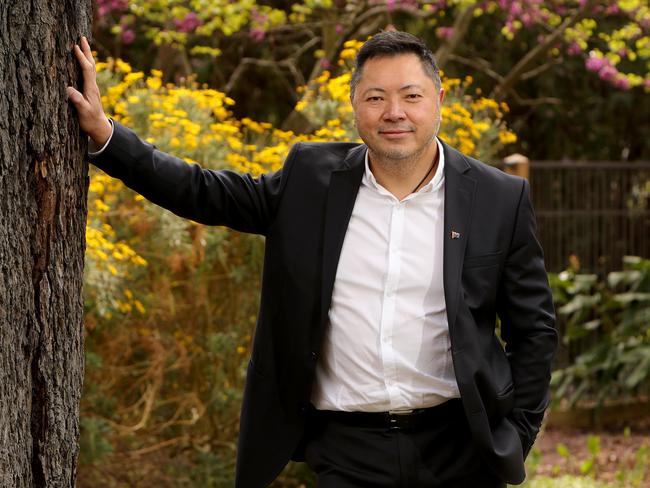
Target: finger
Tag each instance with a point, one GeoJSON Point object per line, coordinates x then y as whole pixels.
{"type": "Point", "coordinates": [85, 46]}
{"type": "Point", "coordinates": [81, 57]}
{"type": "Point", "coordinates": [76, 97]}
{"type": "Point", "coordinates": [88, 72]}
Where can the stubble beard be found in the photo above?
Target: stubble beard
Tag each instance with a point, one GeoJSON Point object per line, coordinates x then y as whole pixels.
{"type": "Point", "coordinates": [400, 162]}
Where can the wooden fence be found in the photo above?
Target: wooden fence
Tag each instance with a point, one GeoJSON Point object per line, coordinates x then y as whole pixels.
{"type": "Point", "coordinates": [597, 211]}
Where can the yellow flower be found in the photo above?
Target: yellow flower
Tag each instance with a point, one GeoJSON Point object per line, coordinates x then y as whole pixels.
{"type": "Point", "coordinates": [507, 137]}
{"type": "Point", "coordinates": [154, 83]}
{"type": "Point", "coordinates": [122, 66]}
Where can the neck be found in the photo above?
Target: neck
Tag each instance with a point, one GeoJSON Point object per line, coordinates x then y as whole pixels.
{"type": "Point", "coordinates": [401, 177]}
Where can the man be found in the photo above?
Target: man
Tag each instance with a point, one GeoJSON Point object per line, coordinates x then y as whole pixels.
{"type": "Point", "coordinates": [375, 356]}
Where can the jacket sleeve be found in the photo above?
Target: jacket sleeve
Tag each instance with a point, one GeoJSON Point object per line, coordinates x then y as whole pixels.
{"type": "Point", "coordinates": [525, 307]}
{"type": "Point", "coordinates": [211, 197]}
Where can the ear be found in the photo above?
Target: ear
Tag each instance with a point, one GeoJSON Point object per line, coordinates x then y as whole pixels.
{"type": "Point", "coordinates": [441, 95]}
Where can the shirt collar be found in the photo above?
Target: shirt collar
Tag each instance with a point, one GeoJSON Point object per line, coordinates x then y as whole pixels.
{"type": "Point", "coordinates": [434, 184]}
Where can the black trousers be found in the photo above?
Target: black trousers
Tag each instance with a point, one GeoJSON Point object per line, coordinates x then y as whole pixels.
{"type": "Point", "coordinates": [440, 455]}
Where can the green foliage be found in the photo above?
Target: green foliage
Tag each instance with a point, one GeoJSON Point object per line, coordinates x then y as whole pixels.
{"type": "Point", "coordinates": [566, 481]}
{"type": "Point", "coordinates": [563, 450]}
{"type": "Point", "coordinates": [589, 465]}
{"type": "Point", "coordinates": [93, 444]}
{"type": "Point", "coordinates": [616, 314]}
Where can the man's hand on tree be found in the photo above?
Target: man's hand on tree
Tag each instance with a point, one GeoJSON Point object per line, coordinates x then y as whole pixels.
{"type": "Point", "coordinates": [92, 118]}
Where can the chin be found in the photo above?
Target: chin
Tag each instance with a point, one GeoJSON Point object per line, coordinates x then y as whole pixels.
{"type": "Point", "coordinates": [396, 153]}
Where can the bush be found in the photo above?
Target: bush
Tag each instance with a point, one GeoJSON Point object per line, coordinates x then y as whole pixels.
{"type": "Point", "coordinates": [615, 315]}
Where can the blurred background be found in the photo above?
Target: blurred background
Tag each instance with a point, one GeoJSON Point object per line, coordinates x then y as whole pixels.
{"type": "Point", "coordinates": [555, 91]}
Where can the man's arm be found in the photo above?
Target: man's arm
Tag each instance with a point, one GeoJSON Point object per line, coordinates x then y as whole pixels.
{"type": "Point", "coordinates": [525, 307]}
{"type": "Point", "coordinates": [224, 197]}
{"type": "Point", "coordinates": [211, 197]}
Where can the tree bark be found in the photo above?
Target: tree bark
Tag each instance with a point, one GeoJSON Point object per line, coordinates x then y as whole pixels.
{"type": "Point", "coordinates": [43, 185]}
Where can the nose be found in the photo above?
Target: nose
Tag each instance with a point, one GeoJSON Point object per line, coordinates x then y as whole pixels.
{"type": "Point", "coordinates": [394, 111]}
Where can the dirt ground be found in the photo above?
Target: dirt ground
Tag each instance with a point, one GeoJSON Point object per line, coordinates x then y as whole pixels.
{"type": "Point", "coordinates": [617, 454]}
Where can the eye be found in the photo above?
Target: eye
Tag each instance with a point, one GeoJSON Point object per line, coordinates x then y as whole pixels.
{"type": "Point", "coordinates": [374, 99]}
{"type": "Point", "coordinates": [413, 96]}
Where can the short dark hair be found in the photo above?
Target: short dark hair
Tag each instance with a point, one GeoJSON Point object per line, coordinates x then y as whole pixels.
{"type": "Point", "coordinates": [394, 43]}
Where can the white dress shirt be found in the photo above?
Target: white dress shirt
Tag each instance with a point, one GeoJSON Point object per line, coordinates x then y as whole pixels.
{"type": "Point", "coordinates": [387, 345]}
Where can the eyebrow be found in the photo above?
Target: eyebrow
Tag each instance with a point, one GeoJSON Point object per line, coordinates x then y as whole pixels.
{"type": "Point", "coordinates": [381, 90]}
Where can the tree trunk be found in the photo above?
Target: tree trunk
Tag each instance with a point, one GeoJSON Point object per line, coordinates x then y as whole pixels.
{"type": "Point", "coordinates": [43, 184]}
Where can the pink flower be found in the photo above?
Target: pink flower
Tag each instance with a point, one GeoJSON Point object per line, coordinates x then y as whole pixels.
{"type": "Point", "coordinates": [189, 23]}
{"type": "Point", "coordinates": [257, 34]}
{"type": "Point", "coordinates": [607, 73]}
{"type": "Point", "coordinates": [128, 36]}
{"type": "Point", "coordinates": [340, 29]}
{"type": "Point", "coordinates": [390, 5]}
{"type": "Point", "coordinates": [325, 63]}
{"type": "Point", "coordinates": [623, 83]}
{"type": "Point", "coordinates": [105, 7]}
{"type": "Point", "coordinates": [594, 63]}
{"type": "Point", "coordinates": [574, 49]}
{"type": "Point", "coordinates": [409, 5]}
{"type": "Point", "coordinates": [444, 32]}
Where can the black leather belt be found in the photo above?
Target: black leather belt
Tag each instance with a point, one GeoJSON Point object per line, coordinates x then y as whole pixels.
{"type": "Point", "coordinates": [406, 420]}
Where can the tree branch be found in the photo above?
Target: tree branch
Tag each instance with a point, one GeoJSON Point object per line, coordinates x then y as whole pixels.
{"type": "Point", "coordinates": [460, 27]}
{"type": "Point", "coordinates": [540, 69]}
{"type": "Point", "coordinates": [479, 64]}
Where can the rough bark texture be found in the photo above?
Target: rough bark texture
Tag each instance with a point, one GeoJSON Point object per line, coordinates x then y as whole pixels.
{"type": "Point", "coordinates": [43, 182]}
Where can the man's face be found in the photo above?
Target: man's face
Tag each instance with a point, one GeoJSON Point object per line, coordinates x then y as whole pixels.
{"type": "Point", "coordinates": [397, 107]}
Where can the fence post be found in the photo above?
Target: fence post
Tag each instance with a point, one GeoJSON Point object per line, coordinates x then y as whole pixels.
{"type": "Point", "coordinates": [517, 164]}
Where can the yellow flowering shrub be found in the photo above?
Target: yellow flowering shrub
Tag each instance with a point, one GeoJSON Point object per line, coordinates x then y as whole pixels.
{"type": "Point", "coordinates": [109, 259]}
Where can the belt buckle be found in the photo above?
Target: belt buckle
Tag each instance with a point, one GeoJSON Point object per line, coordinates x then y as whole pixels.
{"type": "Point", "coordinates": [398, 419]}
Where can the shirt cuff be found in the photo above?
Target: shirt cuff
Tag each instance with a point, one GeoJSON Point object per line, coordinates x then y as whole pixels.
{"type": "Point", "coordinates": [92, 147]}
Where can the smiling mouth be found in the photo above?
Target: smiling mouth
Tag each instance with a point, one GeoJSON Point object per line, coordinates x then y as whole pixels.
{"type": "Point", "coordinates": [394, 133]}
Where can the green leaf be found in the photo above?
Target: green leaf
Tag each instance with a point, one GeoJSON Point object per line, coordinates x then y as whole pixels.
{"type": "Point", "coordinates": [592, 324]}
{"type": "Point", "coordinates": [562, 450]}
{"type": "Point", "coordinates": [627, 298]}
{"type": "Point", "coordinates": [586, 466]}
{"type": "Point", "coordinates": [640, 373]}
{"type": "Point", "coordinates": [616, 278]}
{"type": "Point", "coordinates": [580, 302]}
{"type": "Point", "coordinates": [593, 444]}
{"type": "Point", "coordinates": [632, 260]}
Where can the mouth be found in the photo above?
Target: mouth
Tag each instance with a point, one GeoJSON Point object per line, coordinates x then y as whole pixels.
{"type": "Point", "coordinates": [394, 133]}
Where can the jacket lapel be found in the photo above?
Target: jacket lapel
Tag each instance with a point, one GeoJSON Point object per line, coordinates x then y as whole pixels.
{"type": "Point", "coordinates": [343, 189]}
{"type": "Point", "coordinates": [459, 197]}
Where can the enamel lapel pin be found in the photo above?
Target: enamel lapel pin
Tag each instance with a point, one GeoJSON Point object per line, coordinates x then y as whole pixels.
{"type": "Point", "coordinates": [455, 235]}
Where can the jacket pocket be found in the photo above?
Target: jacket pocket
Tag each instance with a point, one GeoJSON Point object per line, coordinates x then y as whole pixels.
{"type": "Point", "coordinates": [482, 260]}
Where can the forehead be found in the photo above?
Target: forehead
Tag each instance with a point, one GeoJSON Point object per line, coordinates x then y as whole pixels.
{"type": "Point", "coordinates": [394, 71]}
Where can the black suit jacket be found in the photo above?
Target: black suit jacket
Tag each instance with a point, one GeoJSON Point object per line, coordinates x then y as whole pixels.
{"type": "Point", "coordinates": [493, 267]}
